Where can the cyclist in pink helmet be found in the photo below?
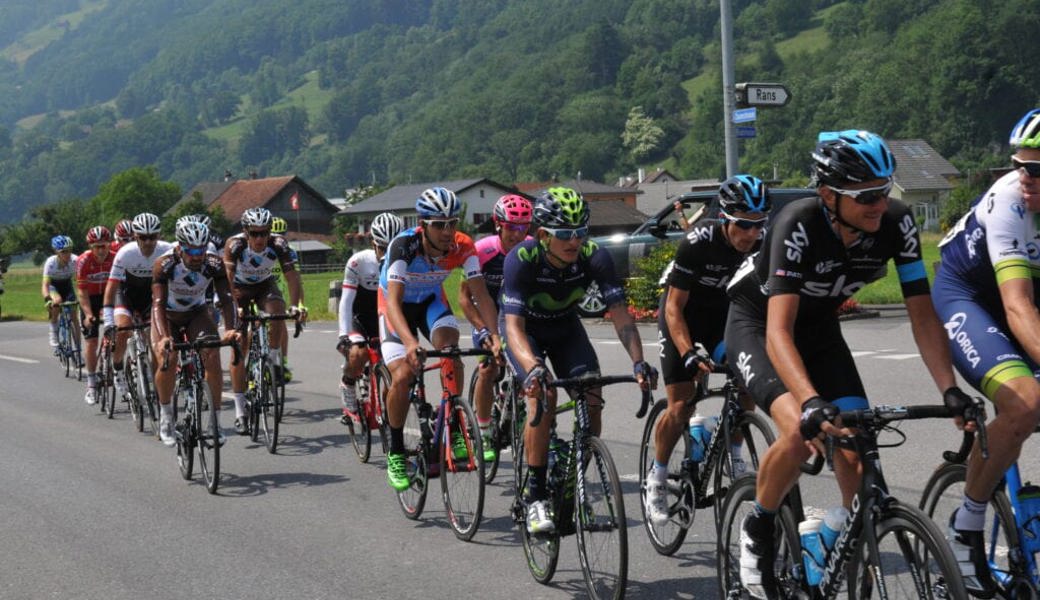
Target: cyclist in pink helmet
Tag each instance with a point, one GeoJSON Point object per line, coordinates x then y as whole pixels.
{"type": "Point", "coordinates": [512, 216]}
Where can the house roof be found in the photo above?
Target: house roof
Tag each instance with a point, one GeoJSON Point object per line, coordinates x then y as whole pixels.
{"type": "Point", "coordinates": [613, 213]}
{"type": "Point", "coordinates": [234, 197]}
{"type": "Point", "coordinates": [402, 197]}
{"type": "Point", "coordinates": [920, 167]}
{"type": "Point", "coordinates": [308, 245]}
{"type": "Point", "coordinates": [585, 187]}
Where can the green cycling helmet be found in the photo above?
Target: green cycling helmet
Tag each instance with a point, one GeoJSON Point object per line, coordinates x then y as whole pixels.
{"type": "Point", "coordinates": [560, 208]}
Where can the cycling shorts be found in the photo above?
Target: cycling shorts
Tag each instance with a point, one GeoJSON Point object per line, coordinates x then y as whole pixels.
{"type": "Point", "coordinates": [96, 302]}
{"type": "Point", "coordinates": [984, 351]}
{"type": "Point", "coordinates": [707, 327]}
{"type": "Point", "coordinates": [426, 316]}
{"type": "Point", "coordinates": [826, 356]}
{"type": "Point", "coordinates": [264, 294]}
{"type": "Point", "coordinates": [130, 300]}
{"type": "Point", "coordinates": [63, 288]}
{"type": "Point", "coordinates": [563, 342]}
{"type": "Point", "coordinates": [198, 321]}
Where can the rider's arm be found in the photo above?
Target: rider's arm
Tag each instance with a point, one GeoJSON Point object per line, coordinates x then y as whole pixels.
{"type": "Point", "coordinates": [625, 327]}
{"type": "Point", "coordinates": [292, 277]}
{"type": "Point", "coordinates": [230, 261]}
{"type": "Point", "coordinates": [228, 306]}
{"type": "Point", "coordinates": [45, 286]}
{"type": "Point", "coordinates": [159, 291]}
{"type": "Point", "coordinates": [678, 329]}
{"type": "Point", "coordinates": [518, 344]}
{"type": "Point", "coordinates": [81, 288]}
{"type": "Point", "coordinates": [602, 267]}
{"type": "Point", "coordinates": [1023, 318]}
{"type": "Point", "coordinates": [931, 340]}
{"type": "Point", "coordinates": [485, 306]}
{"type": "Point", "coordinates": [346, 300]}
{"type": "Point", "coordinates": [469, 309]}
{"type": "Point", "coordinates": [780, 319]}
{"type": "Point", "coordinates": [395, 313]}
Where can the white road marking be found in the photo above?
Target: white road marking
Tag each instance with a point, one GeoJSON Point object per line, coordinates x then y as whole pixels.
{"type": "Point", "coordinates": [27, 361]}
{"type": "Point", "coordinates": [897, 356]}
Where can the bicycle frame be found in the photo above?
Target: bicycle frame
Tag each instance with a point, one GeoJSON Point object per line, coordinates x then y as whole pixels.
{"type": "Point", "coordinates": [1013, 482]}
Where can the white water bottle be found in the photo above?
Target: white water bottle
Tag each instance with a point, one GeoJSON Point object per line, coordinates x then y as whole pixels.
{"type": "Point", "coordinates": [813, 551]}
{"type": "Point", "coordinates": [697, 437]}
{"type": "Point", "coordinates": [833, 523]}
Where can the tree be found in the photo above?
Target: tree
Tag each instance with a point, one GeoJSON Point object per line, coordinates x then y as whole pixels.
{"type": "Point", "coordinates": [195, 206]}
{"type": "Point", "coordinates": [641, 136]}
{"type": "Point", "coordinates": [132, 192]}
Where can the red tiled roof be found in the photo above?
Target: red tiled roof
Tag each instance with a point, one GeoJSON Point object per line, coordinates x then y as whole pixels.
{"type": "Point", "coordinates": [247, 193]}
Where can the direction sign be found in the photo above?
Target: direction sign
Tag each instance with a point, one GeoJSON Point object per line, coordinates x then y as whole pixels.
{"type": "Point", "coordinates": [745, 132]}
{"type": "Point", "coordinates": [762, 94]}
{"type": "Point", "coordinates": [745, 115]}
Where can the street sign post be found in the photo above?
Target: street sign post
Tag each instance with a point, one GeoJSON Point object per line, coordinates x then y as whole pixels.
{"type": "Point", "coordinates": [745, 115]}
{"type": "Point", "coordinates": [766, 95]}
{"type": "Point", "coordinates": [745, 132]}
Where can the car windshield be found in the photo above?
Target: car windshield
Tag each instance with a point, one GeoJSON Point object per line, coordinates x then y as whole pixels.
{"type": "Point", "coordinates": [670, 221]}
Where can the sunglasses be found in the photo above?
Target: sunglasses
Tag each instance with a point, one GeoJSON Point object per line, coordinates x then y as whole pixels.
{"type": "Point", "coordinates": [568, 234]}
{"type": "Point", "coordinates": [516, 226]}
{"type": "Point", "coordinates": [193, 252]}
{"type": "Point", "coordinates": [745, 224]}
{"type": "Point", "coordinates": [443, 224]}
{"type": "Point", "coordinates": [1031, 167]}
{"type": "Point", "coordinates": [98, 246]}
{"type": "Point", "coordinates": [258, 234]}
{"type": "Point", "coordinates": [868, 196]}
{"type": "Point", "coordinates": [147, 238]}
{"type": "Point", "coordinates": [65, 251]}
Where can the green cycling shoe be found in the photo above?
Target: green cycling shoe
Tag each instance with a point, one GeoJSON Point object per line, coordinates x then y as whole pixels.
{"type": "Point", "coordinates": [397, 471]}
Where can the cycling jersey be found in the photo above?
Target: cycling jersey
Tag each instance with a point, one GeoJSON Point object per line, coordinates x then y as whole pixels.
{"type": "Point", "coordinates": [55, 271]}
{"type": "Point", "coordinates": [995, 242]}
{"type": "Point", "coordinates": [423, 276]}
{"type": "Point", "coordinates": [91, 274]}
{"type": "Point", "coordinates": [492, 262]}
{"type": "Point", "coordinates": [802, 254]}
{"type": "Point", "coordinates": [257, 267]}
{"type": "Point", "coordinates": [186, 289]}
{"type": "Point", "coordinates": [132, 269]}
{"type": "Point", "coordinates": [534, 289]}
{"type": "Point", "coordinates": [357, 305]}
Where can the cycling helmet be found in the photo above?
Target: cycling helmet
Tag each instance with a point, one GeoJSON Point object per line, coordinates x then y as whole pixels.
{"type": "Point", "coordinates": [146, 224]}
{"type": "Point", "coordinates": [852, 156]}
{"type": "Point", "coordinates": [61, 242]}
{"type": "Point", "coordinates": [562, 208]}
{"type": "Point", "coordinates": [512, 208]}
{"type": "Point", "coordinates": [385, 227]}
{"type": "Point", "coordinates": [203, 218]}
{"type": "Point", "coordinates": [256, 217]}
{"type": "Point", "coordinates": [192, 233]}
{"type": "Point", "coordinates": [1026, 133]}
{"type": "Point", "coordinates": [438, 203]}
{"type": "Point", "coordinates": [744, 193]}
{"type": "Point", "coordinates": [124, 230]}
{"type": "Point", "coordinates": [98, 235]}
{"type": "Point", "coordinates": [278, 225]}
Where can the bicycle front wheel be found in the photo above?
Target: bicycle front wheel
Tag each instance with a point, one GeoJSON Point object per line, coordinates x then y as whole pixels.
{"type": "Point", "coordinates": [187, 437]}
{"type": "Point", "coordinates": [416, 449]}
{"type": "Point", "coordinates": [913, 559]}
{"type": "Point", "coordinates": [108, 385]}
{"type": "Point", "coordinates": [357, 426]}
{"type": "Point", "coordinates": [133, 396]}
{"type": "Point", "coordinates": [944, 493]}
{"type": "Point", "coordinates": [542, 550]}
{"type": "Point", "coordinates": [497, 410]}
{"type": "Point", "coordinates": [753, 435]}
{"type": "Point", "coordinates": [599, 512]}
{"type": "Point", "coordinates": [668, 536]}
{"type": "Point", "coordinates": [208, 444]}
{"type": "Point", "coordinates": [382, 382]}
{"type": "Point", "coordinates": [462, 470]}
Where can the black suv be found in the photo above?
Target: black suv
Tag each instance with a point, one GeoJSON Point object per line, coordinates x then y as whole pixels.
{"type": "Point", "coordinates": [626, 248]}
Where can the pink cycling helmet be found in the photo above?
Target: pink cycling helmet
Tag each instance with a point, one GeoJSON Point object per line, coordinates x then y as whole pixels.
{"type": "Point", "coordinates": [513, 208]}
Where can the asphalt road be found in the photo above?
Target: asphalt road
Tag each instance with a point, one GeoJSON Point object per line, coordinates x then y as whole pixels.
{"type": "Point", "coordinates": [93, 509]}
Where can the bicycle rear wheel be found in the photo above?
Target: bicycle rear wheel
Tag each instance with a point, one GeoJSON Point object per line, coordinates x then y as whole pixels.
{"type": "Point", "coordinates": [914, 559]}
{"type": "Point", "coordinates": [358, 426]}
{"type": "Point", "coordinates": [944, 493]}
{"type": "Point", "coordinates": [187, 436]}
{"type": "Point", "coordinates": [209, 441]}
{"type": "Point", "coordinates": [668, 536]}
{"type": "Point", "coordinates": [600, 519]}
{"type": "Point", "coordinates": [542, 550]}
{"type": "Point", "coordinates": [755, 435]}
{"type": "Point", "coordinates": [497, 410]}
{"type": "Point", "coordinates": [739, 502]}
{"type": "Point", "coordinates": [379, 409]}
{"type": "Point", "coordinates": [133, 394]}
{"type": "Point", "coordinates": [462, 469]}
{"type": "Point", "coordinates": [278, 397]}
{"type": "Point", "coordinates": [108, 385]}
{"type": "Point", "coordinates": [413, 498]}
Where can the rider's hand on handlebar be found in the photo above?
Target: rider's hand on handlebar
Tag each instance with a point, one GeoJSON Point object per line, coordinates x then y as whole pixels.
{"type": "Point", "coordinates": [646, 375]}
{"type": "Point", "coordinates": [232, 335]}
{"type": "Point", "coordinates": [959, 404]}
{"type": "Point", "coordinates": [697, 361]}
{"type": "Point", "coordinates": [820, 419]}
{"type": "Point", "coordinates": [414, 355]}
{"type": "Point", "coordinates": [535, 381]}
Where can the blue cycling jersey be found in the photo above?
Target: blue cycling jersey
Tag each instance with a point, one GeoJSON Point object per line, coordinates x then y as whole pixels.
{"type": "Point", "coordinates": [421, 275]}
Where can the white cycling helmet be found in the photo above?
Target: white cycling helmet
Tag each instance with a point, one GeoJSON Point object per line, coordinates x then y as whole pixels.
{"type": "Point", "coordinates": [385, 227]}
{"type": "Point", "coordinates": [438, 203]}
{"type": "Point", "coordinates": [192, 233]}
{"type": "Point", "coordinates": [146, 224]}
{"type": "Point", "coordinates": [256, 217]}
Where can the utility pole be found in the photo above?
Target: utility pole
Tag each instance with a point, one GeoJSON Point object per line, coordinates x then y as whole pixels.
{"type": "Point", "coordinates": [728, 104]}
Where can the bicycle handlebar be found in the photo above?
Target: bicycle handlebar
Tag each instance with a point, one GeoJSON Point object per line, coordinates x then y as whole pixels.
{"type": "Point", "coordinates": [200, 343]}
{"type": "Point", "coordinates": [456, 352]}
{"type": "Point", "coordinates": [584, 383]}
{"type": "Point", "coordinates": [264, 317]}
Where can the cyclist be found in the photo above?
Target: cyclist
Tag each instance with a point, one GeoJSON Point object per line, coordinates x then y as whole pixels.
{"type": "Point", "coordinates": [986, 295]}
{"type": "Point", "coordinates": [249, 258]}
{"type": "Point", "coordinates": [179, 282]}
{"type": "Point", "coordinates": [129, 288]}
{"type": "Point", "coordinates": [58, 272]}
{"type": "Point", "coordinates": [279, 227]}
{"type": "Point", "coordinates": [543, 280]}
{"type": "Point", "coordinates": [92, 269]}
{"type": "Point", "coordinates": [358, 315]}
{"type": "Point", "coordinates": [124, 234]}
{"type": "Point", "coordinates": [783, 337]}
{"type": "Point", "coordinates": [411, 299]}
{"type": "Point", "coordinates": [512, 216]}
{"type": "Point", "coordinates": [692, 317]}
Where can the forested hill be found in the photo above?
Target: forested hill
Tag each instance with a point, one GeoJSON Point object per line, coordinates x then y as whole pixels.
{"type": "Point", "coordinates": [349, 91]}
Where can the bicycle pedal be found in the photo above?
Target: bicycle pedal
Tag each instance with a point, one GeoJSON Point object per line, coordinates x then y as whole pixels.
{"type": "Point", "coordinates": [708, 500]}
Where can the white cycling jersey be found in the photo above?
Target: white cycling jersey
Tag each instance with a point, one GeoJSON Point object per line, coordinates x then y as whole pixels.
{"type": "Point", "coordinates": [131, 267]}
{"type": "Point", "coordinates": [55, 271]}
{"type": "Point", "coordinates": [360, 285]}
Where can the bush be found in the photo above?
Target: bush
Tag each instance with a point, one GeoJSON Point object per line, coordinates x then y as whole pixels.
{"type": "Point", "coordinates": [644, 293]}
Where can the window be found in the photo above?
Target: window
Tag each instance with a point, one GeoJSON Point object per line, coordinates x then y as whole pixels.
{"type": "Point", "coordinates": [479, 218]}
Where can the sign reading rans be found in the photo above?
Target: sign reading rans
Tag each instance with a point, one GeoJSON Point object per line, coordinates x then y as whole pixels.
{"type": "Point", "coordinates": [762, 94]}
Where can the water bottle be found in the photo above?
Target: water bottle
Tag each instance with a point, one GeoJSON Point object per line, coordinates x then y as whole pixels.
{"type": "Point", "coordinates": [1029, 517]}
{"type": "Point", "coordinates": [813, 552]}
{"type": "Point", "coordinates": [833, 523]}
{"type": "Point", "coordinates": [697, 431]}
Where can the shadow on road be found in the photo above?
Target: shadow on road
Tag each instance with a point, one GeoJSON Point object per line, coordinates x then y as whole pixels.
{"type": "Point", "coordinates": [237, 486]}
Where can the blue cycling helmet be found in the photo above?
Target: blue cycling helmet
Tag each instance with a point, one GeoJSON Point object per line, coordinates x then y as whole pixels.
{"type": "Point", "coordinates": [438, 203]}
{"type": "Point", "coordinates": [1026, 133]}
{"type": "Point", "coordinates": [851, 156]}
{"type": "Point", "coordinates": [744, 193]}
{"type": "Point", "coordinates": [61, 242]}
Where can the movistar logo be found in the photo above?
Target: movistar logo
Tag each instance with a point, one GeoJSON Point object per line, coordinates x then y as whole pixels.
{"type": "Point", "coordinates": [545, 302]}
{"type": "Point", "coordinates": [528, 254]}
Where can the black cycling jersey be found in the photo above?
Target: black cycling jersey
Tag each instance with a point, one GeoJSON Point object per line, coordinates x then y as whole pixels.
{"type": "Point", "coordinates": [802, 254]}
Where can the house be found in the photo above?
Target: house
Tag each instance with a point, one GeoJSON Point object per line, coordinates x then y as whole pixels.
{"type": "Point", "coordinates": [607, 217]}
{"type": "Point", "coordinates": [478, 197]}
{"type": "Point", "coordinates": [312, 214]}
{"type": "Point", "coordinates": [923, 179]}
{"type": "Point", "coordinates": [591, 191]}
